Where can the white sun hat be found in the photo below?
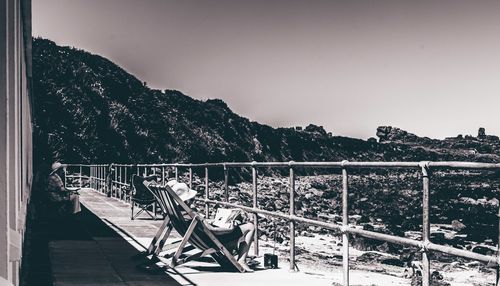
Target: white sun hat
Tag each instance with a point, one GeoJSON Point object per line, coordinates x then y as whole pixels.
{"type": "Point", "coordinates": [183, 191]}
{"type": "Point", "coordinates": [56, 166]}
{"type": "Point", "coordinates": [171, 183]}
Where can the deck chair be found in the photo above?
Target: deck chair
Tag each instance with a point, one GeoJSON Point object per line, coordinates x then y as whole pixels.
{"type": "Point", "coordinates": [142, 198]}
{"type": "Point", "coordinates": [194, 230]}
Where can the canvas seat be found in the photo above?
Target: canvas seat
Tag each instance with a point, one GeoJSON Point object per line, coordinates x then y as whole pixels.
{"type": "Point", "coordinates": [142, 198]}
{"type": "Point", "coordinates": [192, 227]}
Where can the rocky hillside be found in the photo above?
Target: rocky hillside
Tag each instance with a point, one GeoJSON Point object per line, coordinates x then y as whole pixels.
{"type": "Point", "coordinates": [90, 110]}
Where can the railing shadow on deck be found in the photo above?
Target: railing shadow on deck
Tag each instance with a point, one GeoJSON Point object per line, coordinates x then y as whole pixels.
{"type": "Point", "coordinates": [97, 176]}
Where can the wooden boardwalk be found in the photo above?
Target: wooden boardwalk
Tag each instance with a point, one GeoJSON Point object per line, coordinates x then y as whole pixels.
{"type": "Point", "coordinates": [138, 233]}
{"type": "Point", "coordinates": [85, 250]}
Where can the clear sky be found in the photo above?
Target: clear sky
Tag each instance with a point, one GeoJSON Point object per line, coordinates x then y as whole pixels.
{"type": "Point", "coordinates": [429, 67]}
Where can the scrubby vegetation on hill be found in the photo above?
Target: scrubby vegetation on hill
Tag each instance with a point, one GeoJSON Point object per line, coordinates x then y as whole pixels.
{"type": "Point", "coordinates": [90, 110]}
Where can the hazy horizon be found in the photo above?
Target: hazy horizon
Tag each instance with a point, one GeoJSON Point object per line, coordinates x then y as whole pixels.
{"type": "Point", "coordinates": [427, 67]}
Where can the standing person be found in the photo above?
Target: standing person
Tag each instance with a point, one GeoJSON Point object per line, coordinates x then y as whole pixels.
{"type": "Point", "coordinates": [56, 190]}
{"type": "Point", "coordinates": [109, 180]}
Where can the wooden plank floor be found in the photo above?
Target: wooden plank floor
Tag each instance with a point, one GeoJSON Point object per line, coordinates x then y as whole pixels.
{"type": "Point", "coordinates": [138, 233]}
{"type": "Point", "coordinates": [84, 250]}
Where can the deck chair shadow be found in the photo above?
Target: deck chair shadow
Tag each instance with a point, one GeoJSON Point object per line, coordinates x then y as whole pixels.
{"type": "Point", "coordinates": [192, 227]}
{"type": "Point", "coordinates": [142, 198]}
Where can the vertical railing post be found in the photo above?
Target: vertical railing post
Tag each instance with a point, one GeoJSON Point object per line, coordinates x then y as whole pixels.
{"type": "Point", "coordinates": [226, 187]}
{"type": "Point", "coordinates": [98, 170]}
{"type": "Point", "coordinates": [163, 175]}
{"type": "Point", "coordinates": [65, 176]}
{"type": "Point", "coordinates": [114, 183]}
{"type": "Point", "coordinates": [97, 177]}
{"type": "Point", "coordinates": [120, 178]}
{"type": "Point", "coordinates": [206, 191]}
{"type": "Point", "coordinates": [94, 177]}
{"type": "Point", "coordinates": [190, 177]}
{"type": "Point", "coordinates": [255, 205]}
{"type": "Point", "coordinates": [426, 278]}
{"type": "Point", "coordinates": [99, 183]}
{"type": "Point", "coordinates": [498, 251]}
{"type": "Point", "coordinates": [105, 172]}
{"type": "Point", "coordinates": [176, 174]}
{"type": "Point", "coordinates": [127, 175]}
{"type": "Point", "coordinates": [80, 177]}
{"type": "Point", "coordinates": [345, 224]}
{"type": "Point", "coordinates": [122, 173]}
{"type": "Point", "coordinates": [124, 181]}
{"type": "Point", "coordinates": [292, 213]}
{"type": "Point", "coordinates": [101, 176]}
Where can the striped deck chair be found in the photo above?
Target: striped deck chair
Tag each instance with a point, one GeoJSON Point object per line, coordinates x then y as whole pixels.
{"type": "Point", "coordinates": [193, 228]}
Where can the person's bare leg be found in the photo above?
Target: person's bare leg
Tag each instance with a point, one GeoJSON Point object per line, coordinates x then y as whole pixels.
{"type": "Point", "coordinates": [248, 230]}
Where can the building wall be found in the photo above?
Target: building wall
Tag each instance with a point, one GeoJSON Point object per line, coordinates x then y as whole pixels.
{"type": "Point", "coordinates": [15, 133]}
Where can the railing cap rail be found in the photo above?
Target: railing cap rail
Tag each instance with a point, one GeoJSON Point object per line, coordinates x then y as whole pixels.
{"type": "Point", "coordinates": [317, 164]}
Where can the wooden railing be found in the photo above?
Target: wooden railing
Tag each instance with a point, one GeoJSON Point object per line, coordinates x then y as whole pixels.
{"type": "Point", "coordinates": [95, 177]}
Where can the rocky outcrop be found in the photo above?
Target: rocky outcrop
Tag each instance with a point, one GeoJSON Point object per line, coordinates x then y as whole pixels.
{"type": "Point", "coordinates": [483, 148]}
{"type": "Point", "coordinates": [394, 134]}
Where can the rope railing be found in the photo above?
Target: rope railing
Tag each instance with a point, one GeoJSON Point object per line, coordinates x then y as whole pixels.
{"type": "Point", "coordinates": [95, 176]}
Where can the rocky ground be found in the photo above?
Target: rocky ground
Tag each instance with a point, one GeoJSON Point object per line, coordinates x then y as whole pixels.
{"type": "Point", "coordinates": [463, 215]}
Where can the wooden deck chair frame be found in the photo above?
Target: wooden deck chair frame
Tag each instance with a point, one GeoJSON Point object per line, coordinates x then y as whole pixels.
{"type": "Point", "coordinates": [197, 233]}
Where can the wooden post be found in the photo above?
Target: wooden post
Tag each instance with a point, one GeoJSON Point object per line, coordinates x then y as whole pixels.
{"type": "Point", "coordinates": [176, 174]}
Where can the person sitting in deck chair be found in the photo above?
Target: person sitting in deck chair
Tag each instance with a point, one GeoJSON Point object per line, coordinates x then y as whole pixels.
{"type": "Point", "coordinates": [239, 237]}
{"type": "Point", "coordinates": [57, 192]}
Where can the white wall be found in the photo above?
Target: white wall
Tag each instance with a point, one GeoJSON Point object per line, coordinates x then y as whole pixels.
{"type": "Point", "coordinates": [15, 132]}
